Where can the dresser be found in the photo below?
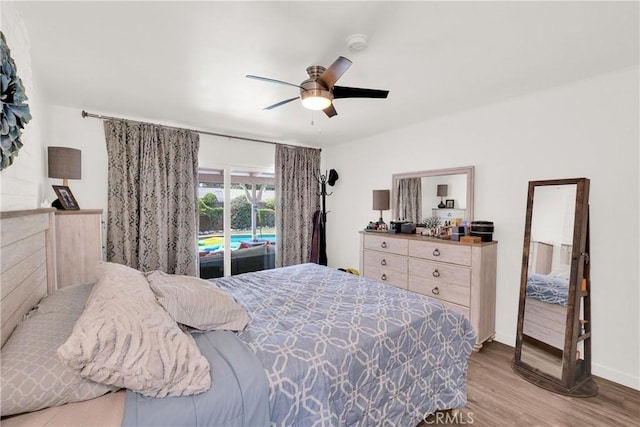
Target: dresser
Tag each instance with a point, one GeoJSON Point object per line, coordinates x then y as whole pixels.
{"type": "Point", "coordinates": [448, 214]}
{"type": "Point", "coordinates": [78, 241]}
{"type": "Point", "coordinates": [460, 275]}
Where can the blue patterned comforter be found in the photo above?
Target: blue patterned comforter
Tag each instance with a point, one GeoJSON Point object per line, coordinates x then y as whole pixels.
{"type": "Point", "coordinates": [548, 288]}
{"type": "Point", "coordinates": [341, 350]}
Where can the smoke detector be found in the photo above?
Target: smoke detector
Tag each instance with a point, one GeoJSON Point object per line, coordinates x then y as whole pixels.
{"type": "Point", "coordinates": [356, 42]}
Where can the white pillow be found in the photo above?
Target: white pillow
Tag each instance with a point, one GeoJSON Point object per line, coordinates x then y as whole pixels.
{"type": "Point", "coordinates": [197, 303]}
{"type": "Point", "coordinates": [125, 338]}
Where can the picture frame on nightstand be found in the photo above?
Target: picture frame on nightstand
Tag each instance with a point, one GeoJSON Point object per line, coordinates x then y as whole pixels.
{"type": "Point", "coordinates": [65, 201]}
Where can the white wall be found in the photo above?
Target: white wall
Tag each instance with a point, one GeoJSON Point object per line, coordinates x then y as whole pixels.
{"type": "Point", "coordinates": [21, 184]}
{"type": "Point", "coordinates": [585, 129]}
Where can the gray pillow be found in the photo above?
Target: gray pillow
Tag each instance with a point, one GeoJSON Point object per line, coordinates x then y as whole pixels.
{"type": "Point", "coordinates": [33, 376]}
{"type": "Point", "coordinates": [197, 303]}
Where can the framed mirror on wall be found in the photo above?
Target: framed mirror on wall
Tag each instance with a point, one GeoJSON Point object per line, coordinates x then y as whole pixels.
{"type": "Point", "coordinates": [553, 341]}
{"type": "Point", "coordinates": [446, 193]}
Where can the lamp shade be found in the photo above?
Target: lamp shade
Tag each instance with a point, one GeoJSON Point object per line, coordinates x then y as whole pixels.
{"type": "Point", "coordinates": [64, 163]}
{"type": "Point", "coordinates": [442, 190]}
{"type": "Point", "coordinates": [381, 200]}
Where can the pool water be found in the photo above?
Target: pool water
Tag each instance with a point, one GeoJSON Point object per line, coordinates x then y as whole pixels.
{"type": "Point", "coordinates": [216, 243]}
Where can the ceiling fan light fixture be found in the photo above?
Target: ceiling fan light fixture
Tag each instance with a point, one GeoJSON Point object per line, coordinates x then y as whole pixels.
{"type": "Point", "coordinates": [316, 99]}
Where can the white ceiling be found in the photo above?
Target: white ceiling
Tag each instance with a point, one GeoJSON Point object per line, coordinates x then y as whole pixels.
{"type": "Point", "coordinates": [185, 63]}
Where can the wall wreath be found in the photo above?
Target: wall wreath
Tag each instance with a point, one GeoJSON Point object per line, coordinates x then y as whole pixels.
{"type": "Point", "coordinates": [15, 111]}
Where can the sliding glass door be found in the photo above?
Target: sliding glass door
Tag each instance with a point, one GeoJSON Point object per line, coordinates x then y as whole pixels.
{"type": "Point", "coordinates": [246, 241]}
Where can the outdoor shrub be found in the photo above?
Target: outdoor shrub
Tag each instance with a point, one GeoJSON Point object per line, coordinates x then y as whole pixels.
{"type": "Point", "coordinates": [266, 218]}
{"type": "Point", "coordinates": [240, 213]}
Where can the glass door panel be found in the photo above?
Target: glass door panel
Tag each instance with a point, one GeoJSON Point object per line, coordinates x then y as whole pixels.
{"type": "Point", "coordinates": [211, 224]}
{"type": "Point", "coordinates": [252, 208]}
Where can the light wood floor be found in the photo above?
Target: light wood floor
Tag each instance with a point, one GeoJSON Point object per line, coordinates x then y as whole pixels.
{"type": "Point", "coordinates": [497, 396]}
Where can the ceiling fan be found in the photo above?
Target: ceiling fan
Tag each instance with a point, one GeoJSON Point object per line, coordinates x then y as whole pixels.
{"type": "Point", "coordinates": [318, 91]}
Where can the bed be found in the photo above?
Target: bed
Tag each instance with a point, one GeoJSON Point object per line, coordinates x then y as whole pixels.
{"type": "Point", "coordinates": [322, 347]}
{"type": "Point", "coordinates": [547, 295]}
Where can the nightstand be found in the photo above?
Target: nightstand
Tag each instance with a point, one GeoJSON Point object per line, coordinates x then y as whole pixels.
{"type": "Point", "coordinates": [78, 242]}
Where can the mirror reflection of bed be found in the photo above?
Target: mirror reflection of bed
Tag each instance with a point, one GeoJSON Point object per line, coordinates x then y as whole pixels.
{"type": "Point", "coordinates": [548, 277]}
{"type": "Point", "coordinates": [547, 293]}
{"type": "Point", "coordinates": [545, 309]}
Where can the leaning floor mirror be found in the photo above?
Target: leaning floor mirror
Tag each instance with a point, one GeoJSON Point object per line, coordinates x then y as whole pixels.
{"type": "Point", "coordinates": [553, 341]}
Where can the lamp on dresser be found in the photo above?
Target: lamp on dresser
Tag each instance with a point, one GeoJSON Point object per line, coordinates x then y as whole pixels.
{"type": "Point", "coordinates": [381, 203]}
{"type": "Point", "coordinates": [442, 192]}
{"type": "Point", "coordinates": [64, 163]}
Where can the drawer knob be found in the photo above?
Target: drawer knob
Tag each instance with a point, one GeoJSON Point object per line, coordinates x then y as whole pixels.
{"type": "Point", "coordinates": [435, 291]}
{"type": "Point", "coordinates": [383, 277]}
{"type": "Point", "coordinates": [383, 262]}
{"type": "Point", "coordinates": [436, 252]}
{"type": "Point", "coordinates": [436, 273]}
{"type": "Point", "coordinates": [383, 245]}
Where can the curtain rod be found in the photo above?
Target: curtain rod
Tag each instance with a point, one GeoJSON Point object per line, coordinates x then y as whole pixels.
{"type": "Point", "coordinates": [204, 132]}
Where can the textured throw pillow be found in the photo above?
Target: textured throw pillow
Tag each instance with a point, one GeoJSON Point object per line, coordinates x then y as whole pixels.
{"type": "Point", "coordinates": [197, 303]}
{"type": "Point", "coordinates": [125, 338]}
{"type": "Point", "coordinates": [33, 376]}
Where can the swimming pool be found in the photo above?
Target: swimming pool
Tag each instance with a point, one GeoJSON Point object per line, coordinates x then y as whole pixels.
{"type": "Point", "coordinates": [215, 243]}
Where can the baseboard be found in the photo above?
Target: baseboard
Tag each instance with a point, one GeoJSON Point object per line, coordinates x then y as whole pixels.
{"type": "Point", "coordinates": [509, 340]}
{"type": "Point", "coordinates": [615, 376]}
{"type": "Point", "coordinates": [598, 370]}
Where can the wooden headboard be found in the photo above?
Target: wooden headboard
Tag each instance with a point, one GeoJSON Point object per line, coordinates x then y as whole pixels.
{"type": "Point", "coordinates": [541, 257]}
{"type": "Point", "coordinates": [26, 262]}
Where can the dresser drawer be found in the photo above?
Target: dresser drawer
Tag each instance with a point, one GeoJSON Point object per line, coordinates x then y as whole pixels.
{"type": "Point", "coordinates": [373, 259]}
{"type": "Point", "coordinates": [455, 254]}
{"type": "Point", "coordinates": [386, 243]}
{"type": "Point", "coordinates": [384, 275]}
{"type": "Point", "coordinates": [439, 272]}
{"type": "Point", "coordinates": [456, 307]}
{"type": "Point", "coordinates": [443, 291]}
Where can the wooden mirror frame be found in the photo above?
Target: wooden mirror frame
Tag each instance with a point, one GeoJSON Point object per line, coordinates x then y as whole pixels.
{"type": "Point", "coordinates": [465, 170]}
{"type": "Point", "coordinates": [576, 373]}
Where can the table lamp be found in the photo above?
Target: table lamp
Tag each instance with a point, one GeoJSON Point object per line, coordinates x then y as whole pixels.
{"type": "Point", "coordinates": [442, 192]}
{"type": "Point", "coordinates": [64, 163]}
{"type": "Point", "coordinates": [381, 202]}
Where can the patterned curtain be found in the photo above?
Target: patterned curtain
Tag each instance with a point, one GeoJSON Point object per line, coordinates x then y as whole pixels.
{"type": "Point", "coordinates": [410, 199]}
{"type": "Point", "coordinates": [152, 197]}
{"type": "Point", "coordinates": [297, 199]}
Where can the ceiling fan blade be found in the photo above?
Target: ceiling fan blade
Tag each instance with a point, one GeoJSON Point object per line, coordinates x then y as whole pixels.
{"type": "Point", "coordinates": [330, 111]}
{"type": "Point", "coordinates": [356, 92]}
{"type": "Point", "coordinates": [331, 75]}
{"type": "Point", "coordinates": [271, 107]}
{"type": "Point", "coordinates": [265, 79]}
